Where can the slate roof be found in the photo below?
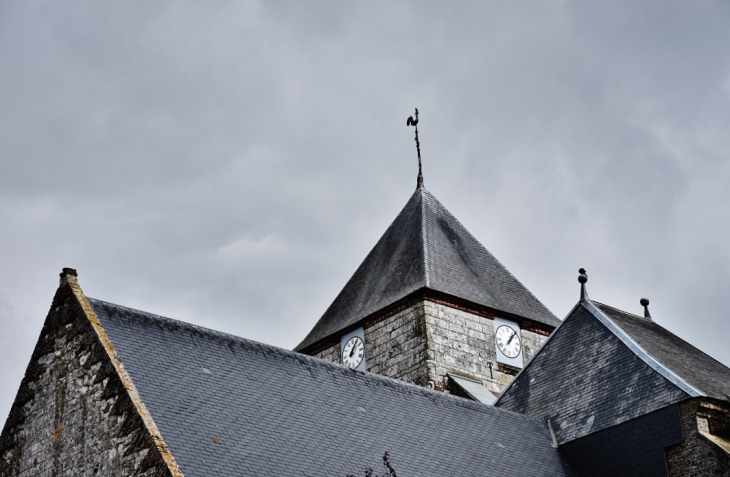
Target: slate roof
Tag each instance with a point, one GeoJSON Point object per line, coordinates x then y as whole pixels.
{"type": "Point", "coordinates": [705, 373]}
{"type": "Point", "coordinates": [427, 248]}
{"type": "Point", "coordinates": [228, 406]}
{"type": "Point", "coordinates": [585, 379]}
{"type": "Point", "coordinates": [603, 366]}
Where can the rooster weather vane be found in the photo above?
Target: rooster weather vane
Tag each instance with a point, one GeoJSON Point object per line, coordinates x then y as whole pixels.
{"type": "Point", "coordinates": [414, 123]}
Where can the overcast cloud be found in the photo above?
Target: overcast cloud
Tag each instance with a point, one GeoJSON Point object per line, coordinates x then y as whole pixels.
{"type": "Point", "coordinates": [231, 163]}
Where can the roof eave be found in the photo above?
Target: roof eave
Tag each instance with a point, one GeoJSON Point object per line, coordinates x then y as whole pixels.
{"type": "Point", "coordinates": [426, 293]}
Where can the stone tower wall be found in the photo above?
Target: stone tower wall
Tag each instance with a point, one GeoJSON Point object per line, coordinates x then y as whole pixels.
{"type": "Point", "coordinates": [394, 347]}
{"type": "Point", "coordinates": [73, 416]}
{"type": "Point", "coordinates": [463, 343]}
{"type": "Point", "coordinates": [427, 340]}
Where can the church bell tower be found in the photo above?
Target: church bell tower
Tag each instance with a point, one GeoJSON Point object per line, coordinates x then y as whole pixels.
{"type": "Point", "coordinates": [430, 305]}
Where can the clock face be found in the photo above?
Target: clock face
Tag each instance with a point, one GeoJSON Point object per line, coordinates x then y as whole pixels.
{"type": "Point", "coordinates": [353, 352]}
{"type": "Point", "coordinates": [507, 341]}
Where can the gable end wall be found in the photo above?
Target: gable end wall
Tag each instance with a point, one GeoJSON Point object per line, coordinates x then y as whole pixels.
{"type": "Point", "coordinates": [73, 416]}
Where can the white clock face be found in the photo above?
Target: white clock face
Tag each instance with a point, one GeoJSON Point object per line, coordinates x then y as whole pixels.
{"type": "Point", "coordinates": [508, 341]}
{"type": "Point", "coordinates": [353, 352]}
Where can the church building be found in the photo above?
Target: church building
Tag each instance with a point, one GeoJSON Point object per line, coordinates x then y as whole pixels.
{"type": "Point", "coordinates": [433, 360]}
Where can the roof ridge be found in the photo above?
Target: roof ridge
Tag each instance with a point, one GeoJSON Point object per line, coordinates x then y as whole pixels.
{"type": "Point", "coordinates": [656, 335]}
{"type": "Point", "coordinates": [639, 350]}
{"type": "Point", "coordinates": [600, 304]}
{"type": "Point", "coordinates": [424, 236]}
{"type": "Point", "coordinates": [307, 359]}
{"type": "Point", "coordinates": [503, 268]}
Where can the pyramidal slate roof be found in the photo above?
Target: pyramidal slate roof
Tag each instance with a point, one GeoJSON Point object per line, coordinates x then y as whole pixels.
{"type": "Point", "coordinates": [427, 248]}
{"type": "Point", "coordinates": [228, 406]}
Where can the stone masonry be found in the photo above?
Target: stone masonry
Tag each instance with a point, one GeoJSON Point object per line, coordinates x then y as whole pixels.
{"type": "Point", "coordinates": [705, 451]}
{"type": "Point", "coordinates": [463, 343]}
{"type": "Point", "coordinates": [427, 340]}
{"type": "Point", "coordinates": [394, 347]}
{"type": "Point", "coordinates": [73, 415]}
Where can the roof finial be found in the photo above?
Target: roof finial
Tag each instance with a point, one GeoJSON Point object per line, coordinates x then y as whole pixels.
{"type": "Point", "coordinates": [645, 303]}
{"type": "Point", "coordinates": [414, 122]}
{"type": "Point", "coordinates": [583, 278]}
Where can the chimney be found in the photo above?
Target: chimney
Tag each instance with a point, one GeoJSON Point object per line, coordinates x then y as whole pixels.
{"type": "Point", "coordinates": [69, 275]}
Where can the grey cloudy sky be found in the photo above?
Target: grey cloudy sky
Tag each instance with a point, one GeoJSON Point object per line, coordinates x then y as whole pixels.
{"type": "Point", "coordinates": [231, 163]}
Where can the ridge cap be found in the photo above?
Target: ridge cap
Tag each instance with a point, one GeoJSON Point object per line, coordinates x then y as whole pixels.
{"type": "Point", "coordinates": [424, 237]}
{"type": "Point", "coordinates": [628, 313]}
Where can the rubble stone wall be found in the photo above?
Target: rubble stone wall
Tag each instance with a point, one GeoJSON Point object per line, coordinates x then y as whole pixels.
{"type": "Point", "coordinates": [331, 354]}
{"type": "Point", "coordinates": [697, 455]}
{"type": "Point", "coordinates": [396, 346]}
{"type": "Point", "coordinates": [73, 416]}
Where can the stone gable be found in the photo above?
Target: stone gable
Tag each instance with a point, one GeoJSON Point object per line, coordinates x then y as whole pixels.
{"type": "Point", "coordinates": [73, 415]}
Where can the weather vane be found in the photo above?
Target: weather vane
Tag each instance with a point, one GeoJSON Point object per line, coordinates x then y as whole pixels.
{"type": "Point", "coordinates": [414, 122]}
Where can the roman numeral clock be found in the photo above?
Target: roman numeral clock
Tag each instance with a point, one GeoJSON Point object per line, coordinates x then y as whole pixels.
{"type": "Point", "coordinates": [508, 342]}
{"type": "Point", "coordinates": [352, 349]}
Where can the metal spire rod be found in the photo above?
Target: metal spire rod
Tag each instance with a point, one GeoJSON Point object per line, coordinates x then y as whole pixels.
{"type": "Point", "coordinates": [414, 122]}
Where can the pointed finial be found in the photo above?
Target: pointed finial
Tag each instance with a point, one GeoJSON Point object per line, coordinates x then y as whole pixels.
{"type": "Point", "coordinates": [583, 278]}
{"type": "Point", "coordinates": [645, 303]}
{"type": "Point", "coordinates": [414, 122]}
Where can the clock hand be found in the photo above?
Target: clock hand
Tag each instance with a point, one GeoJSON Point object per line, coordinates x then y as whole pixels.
{"type": "Point", "coordinates": [511, 338]}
